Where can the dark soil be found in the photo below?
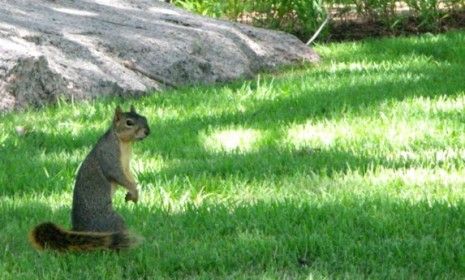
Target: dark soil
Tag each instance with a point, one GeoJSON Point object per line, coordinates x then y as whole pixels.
{"type": "Point", "coordinates": [357, 29]}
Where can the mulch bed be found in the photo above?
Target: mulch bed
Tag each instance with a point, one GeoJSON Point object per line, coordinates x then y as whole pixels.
{"type": "Point", "coordinates": [357, 29]}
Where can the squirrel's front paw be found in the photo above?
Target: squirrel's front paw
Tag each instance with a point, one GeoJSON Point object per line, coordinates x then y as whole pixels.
{"type": "Point", "coordinates": [132, 196]}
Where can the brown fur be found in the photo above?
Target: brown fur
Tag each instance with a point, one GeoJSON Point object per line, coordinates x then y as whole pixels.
{"type": "Point", "coordinates": [95, 224]}
{"type": "Point", "coordinates": [50, 236]}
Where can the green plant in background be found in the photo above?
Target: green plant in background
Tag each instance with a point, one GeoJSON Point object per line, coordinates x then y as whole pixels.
{"type": "Point", "coordinates": [303, 17]}
{"type": "Point", "coordinates": [428, 11]}
{"type": "Point", "coordinates": [204, 7]}
{"type": "Point", "coordinates": [378, 9]}
{"type": "Point", "coordinates": [300, 17]}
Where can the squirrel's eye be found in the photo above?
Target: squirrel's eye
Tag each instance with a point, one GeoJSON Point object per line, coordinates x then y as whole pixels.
{"type": "Point", "coordinates": [130, 122]}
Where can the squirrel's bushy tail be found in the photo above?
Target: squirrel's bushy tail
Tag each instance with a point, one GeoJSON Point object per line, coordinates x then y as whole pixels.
{"type": "Point", "coordinates": [50, 236]}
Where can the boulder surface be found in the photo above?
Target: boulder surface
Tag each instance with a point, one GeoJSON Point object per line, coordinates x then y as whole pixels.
{"type": "Point", "coordinates": [80, 49]}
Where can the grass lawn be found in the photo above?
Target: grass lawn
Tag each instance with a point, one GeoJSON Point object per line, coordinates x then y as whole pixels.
{"type": "Point", "coordinates": [350, 169]}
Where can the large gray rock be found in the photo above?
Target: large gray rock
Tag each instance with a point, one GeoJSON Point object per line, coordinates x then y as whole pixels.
{"type": "Point", "coordinates": [85, 48]}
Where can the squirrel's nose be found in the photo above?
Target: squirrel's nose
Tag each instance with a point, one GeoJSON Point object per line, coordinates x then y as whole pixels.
{"type": "Point", "coordinates": [147, 131]}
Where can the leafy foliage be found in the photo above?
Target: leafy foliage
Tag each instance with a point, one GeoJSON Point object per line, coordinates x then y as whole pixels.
{"type": "Point", "coordinates": [303, 17]}
{"type": "Point", "coordinates": [300, 17]}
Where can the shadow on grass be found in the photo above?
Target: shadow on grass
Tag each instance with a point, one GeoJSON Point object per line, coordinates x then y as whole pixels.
{"type": "Point", "coordinates": [38, 161]}
{"type": "Point", "coordinates": [359, 92]}
{"type": "Point", "coordinates": [274, 116]}
{"type": "Point", "coordinates": [445, 47]}
{"type": "Point", "coordinates": [373, 236]}
{"type": "Point", "coordinates": [356, 237]}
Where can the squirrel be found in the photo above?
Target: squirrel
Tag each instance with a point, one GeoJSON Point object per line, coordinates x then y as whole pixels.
{"type": "Point", "coordinates": [95, 225]}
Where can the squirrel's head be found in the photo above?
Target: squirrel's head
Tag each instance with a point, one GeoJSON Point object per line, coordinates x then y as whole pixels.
{"type": "Point", "coordinates": [130, 126]}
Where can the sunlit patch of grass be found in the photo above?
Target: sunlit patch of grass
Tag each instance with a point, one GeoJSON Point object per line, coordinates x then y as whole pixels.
{"type": "Point", "coordinates": [231, 140]}
{"type": "Point", "coordinates": [317, 135]}
{"type": "Point", "coordinates": [353, 168]}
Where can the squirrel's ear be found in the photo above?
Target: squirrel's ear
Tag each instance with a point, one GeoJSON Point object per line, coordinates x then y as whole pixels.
{"type": "Point", "coordinates": [133, 110]}
{"type": "Point", "coordinates": [118, 113]}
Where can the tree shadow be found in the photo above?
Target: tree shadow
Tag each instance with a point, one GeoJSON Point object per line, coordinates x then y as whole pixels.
{"type": "Point", "coordinates": [344, 91]}
{"type": "Point", "coordinates": [42, 162]}
{"type": "Point", "coordinates": [444, 47]}
{"type": "Point", "coordinates": [377, 237]}
{"type": "Point", "coordinates": [362, 99]}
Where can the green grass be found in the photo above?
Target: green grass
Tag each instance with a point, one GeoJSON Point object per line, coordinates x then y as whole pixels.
{"type": "Point", "coordinates": [353, 168]}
